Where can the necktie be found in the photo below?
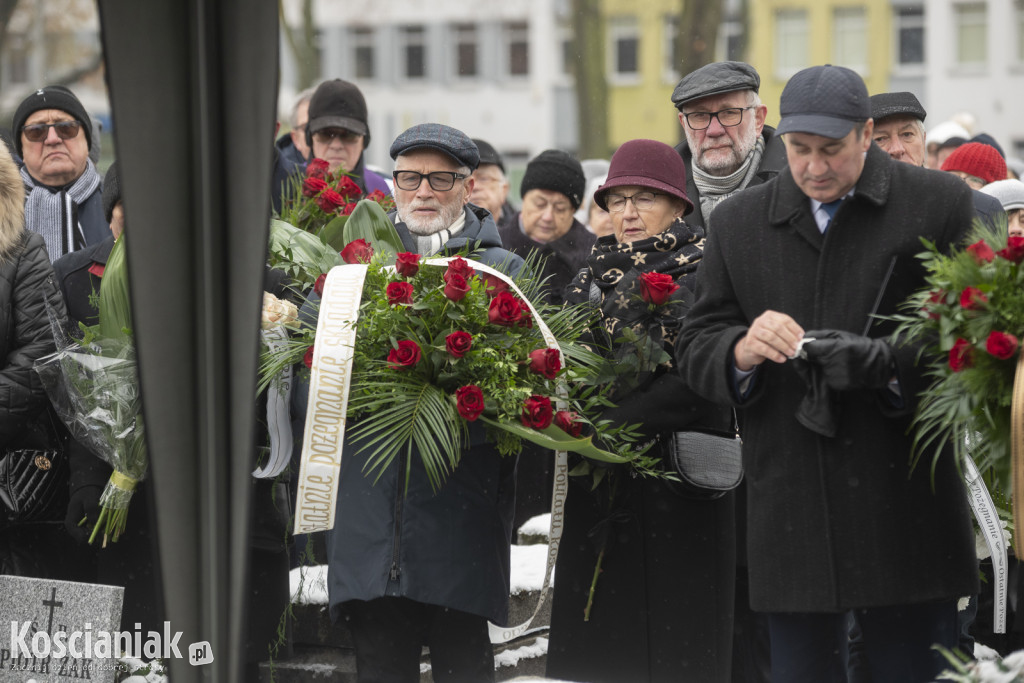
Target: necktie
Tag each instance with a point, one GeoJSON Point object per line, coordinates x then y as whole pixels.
{"type": "Point", "coordinates": [830, 209]}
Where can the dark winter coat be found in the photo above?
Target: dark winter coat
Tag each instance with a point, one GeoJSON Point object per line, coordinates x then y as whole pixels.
{"type": "Point", "coordinates": [772, 161]}
{"type": "Point", "coordinates": [562, 257]}
{"type": "Point", "coordinates": [78, 276]}
{"type": "Point", "coordinates": [833, 523]}
{"type": "Point", "coordinates": [663, 605]}
{"type": "Point", "coordinates": [449, 548]}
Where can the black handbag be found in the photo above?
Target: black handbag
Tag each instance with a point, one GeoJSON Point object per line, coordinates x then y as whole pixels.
{"type": "Point", "coordinates": [709, 464]}
{"type": "Point", "coordinates": [34, 473]}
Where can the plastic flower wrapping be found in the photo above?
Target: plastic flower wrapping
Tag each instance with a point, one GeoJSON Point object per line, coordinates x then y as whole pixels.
{"type": "Point", "coordinates": [93, 385]}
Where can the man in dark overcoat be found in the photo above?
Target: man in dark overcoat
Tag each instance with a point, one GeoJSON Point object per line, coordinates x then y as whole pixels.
{"type": "Point", "coordinates": [837, 519]}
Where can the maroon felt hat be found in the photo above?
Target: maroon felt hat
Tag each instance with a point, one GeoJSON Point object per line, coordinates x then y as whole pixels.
{"type": "Point", "coordinates": [646, 163]}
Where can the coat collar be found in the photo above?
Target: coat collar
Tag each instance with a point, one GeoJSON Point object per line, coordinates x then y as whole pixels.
{"type": "Point", "coordinates": [788, 204]}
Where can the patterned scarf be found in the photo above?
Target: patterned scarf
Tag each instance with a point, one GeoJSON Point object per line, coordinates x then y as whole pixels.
{"type": "Point", "coordinates": [715, 190]}
{"type": "Point", "coordinates": [51, 211]}
{"type": "Point", "coordinates": [610, 281]}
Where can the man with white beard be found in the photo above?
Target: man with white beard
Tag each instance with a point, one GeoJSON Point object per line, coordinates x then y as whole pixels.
{"type": "Point", "coordinates": [409, 566]}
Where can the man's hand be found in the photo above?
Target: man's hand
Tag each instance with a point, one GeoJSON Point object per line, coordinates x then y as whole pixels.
{"type": "Point", "coordinates": [772, 336]}
{"type": "Point", "coordinates": [851, 361]}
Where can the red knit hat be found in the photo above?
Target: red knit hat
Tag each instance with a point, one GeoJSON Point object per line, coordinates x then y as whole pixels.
{"type": "Point", "coordinates": [977, 159]}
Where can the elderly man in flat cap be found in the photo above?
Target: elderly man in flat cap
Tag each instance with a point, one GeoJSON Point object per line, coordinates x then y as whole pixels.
{"type": "Point", "coordinates": [727, 146]}
{"type": "Point", "coordinates": [64, 202]}
{"type": "Point", "coordinates": [793, 274]}
{"type": "Point", "coordinates": [899, 131]}
{"type": "Point", "coordinates": [416, 567]}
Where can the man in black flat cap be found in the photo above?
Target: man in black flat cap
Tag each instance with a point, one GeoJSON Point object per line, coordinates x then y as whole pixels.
{"type": "Point", "coordinates": [727, 145]}
{"type": "Point", "coordinates": [899, 131]}
{"type": "Point", "coordinates": [413, 567]}
{"type": "Point", "coordinates": [837, 520]}
{"type": "Point", "coordinates": [64, 192]}
{"type": "Point", "coordinates": [490, 184]}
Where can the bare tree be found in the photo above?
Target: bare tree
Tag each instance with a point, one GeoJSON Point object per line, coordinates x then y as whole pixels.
{"type": "Point", "coordinates": [302, 44]}
{"type": "Point", "coordinates": [698, 32]}
{"type": "Point", "coordinates": [591, 86]}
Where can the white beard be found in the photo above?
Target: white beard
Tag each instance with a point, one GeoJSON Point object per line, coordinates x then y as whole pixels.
{"type": "Point", "coordinates": [446, 215]}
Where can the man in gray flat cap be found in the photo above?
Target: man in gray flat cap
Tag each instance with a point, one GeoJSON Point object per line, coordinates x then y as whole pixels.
{"type": "Point", "coordinates": [838, 522]}
{"type": "Point", "coordinates": [727, 146]}
{"type": "Point", "coordinates": [413, 567]}
{"type": "Point", "coordinates": [899, 131]}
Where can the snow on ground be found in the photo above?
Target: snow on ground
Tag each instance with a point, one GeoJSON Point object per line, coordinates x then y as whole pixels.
{"type": "Point", "coordinates": [528, 567]}
{"type": "Point", "coordinates": [511, 658]}
{"type": "Point", "coordinates": [537, 526]}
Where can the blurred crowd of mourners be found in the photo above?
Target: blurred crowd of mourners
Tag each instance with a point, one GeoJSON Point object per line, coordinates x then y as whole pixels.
{"type": "Point", "coordinates": [832, 560]}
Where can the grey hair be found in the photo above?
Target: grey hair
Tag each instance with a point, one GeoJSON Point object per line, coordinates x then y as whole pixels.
{"type": "Point", "coordinates": [304, 96]}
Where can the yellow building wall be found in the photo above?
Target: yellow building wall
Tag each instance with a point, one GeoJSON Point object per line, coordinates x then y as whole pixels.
{"type": "Point", "coordinates": [643, 109]}
{"type": "Point", "coordinates": [762, 43]}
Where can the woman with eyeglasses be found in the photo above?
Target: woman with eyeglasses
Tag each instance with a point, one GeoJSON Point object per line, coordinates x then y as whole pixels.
{"type": "Point", "coordinates": [661, 606]}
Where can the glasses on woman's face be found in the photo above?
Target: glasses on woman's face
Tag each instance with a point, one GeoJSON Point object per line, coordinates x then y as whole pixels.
{"type": "Point", "coordinates": [37, 132]}
{"type": "Point", "coordinates": [440, 181]}
{"type": "Point", "coordinates": [699, 120]}
{"type": "Point", "coordinates": [643, 201]}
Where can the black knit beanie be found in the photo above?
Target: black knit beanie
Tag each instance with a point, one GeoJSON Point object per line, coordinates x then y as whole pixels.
{"type": "Point", "coordinates": [111, 191]}
{"type": "Point", "coordinates": [50, 97]}
{"type": "Point", "coordinates": [338, 104]}
{"type": "Point", "coordinates": [557, 171]}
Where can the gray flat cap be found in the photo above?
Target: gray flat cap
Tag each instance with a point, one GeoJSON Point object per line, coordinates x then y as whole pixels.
{"type": "Point", "coordinates": [452, 142]}
{"type": "Point", "coordinates": [896, 104]}
{"type": "Point", "coordinates": [715, 79]}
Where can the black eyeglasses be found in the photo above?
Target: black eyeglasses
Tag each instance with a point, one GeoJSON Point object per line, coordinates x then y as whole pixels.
{"type": "Point", "coordinates": [643, 201]}
{"type": "Point", "coordinates": [66, 130]}
{"type": "Point", "coordinates": [699, 120]}
{"type": "Point", "coordinates": [440, 181]}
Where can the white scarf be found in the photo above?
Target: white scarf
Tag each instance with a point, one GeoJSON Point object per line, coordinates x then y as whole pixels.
{"type": "Point", "coordinates": [50, 211]}
{"type": "Point", "coordinates": [428, 245]}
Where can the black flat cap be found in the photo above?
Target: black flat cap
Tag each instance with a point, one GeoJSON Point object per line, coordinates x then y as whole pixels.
{"type": "Point", "coordinates": [715, 79]}
{"type": "Point", "coordinates": [823, 100]}
{"type": "Point", "coordinates": [489, 155]}
{"type": "Point", "coordinates": [452, 142]}
{"type": "Point", "coordinates": [896, 104]}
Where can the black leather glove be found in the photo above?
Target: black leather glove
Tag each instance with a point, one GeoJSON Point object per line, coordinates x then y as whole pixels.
{"type": "Point", "coordinates": [851, 361]}
{"type": "Point", "coordinates": [818, 410]}
{"type": "Point", "coordinates": [84, 502]}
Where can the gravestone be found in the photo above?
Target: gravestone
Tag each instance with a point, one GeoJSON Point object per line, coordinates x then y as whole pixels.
{"type": "Point", "coordinates": [59, 631]}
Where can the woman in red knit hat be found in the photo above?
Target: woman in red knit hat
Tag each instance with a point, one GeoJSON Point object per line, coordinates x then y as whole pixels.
{"type": "Point", "coordinates": [977, 163]}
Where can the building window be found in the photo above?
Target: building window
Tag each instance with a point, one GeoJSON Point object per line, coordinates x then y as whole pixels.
{"type": "Point", "coordinates": [971, 29]}
{"type": "Point", "coordinates": [363, 54]}
{"type": "Point", "coordinates": [624, 51]}
{"type": "Point", "coordinates": [413, 52]}
{"type": "Point", "coordinates": [850, 38]}
{"type": "Point", "coordinates": [791, 41]}
{"type": "Point", "coordinates": [1019, 22]}
{"type": "Point", "coordinates": [910, 36]}
{"type": "Point", "coordinates": [729, 44]}
{"type": "Point", "coordinates": [466, 50]}
{"type": "Point", "coordinates": [673, 60]}
{"type": "Point", "coordinates": [517, 48]}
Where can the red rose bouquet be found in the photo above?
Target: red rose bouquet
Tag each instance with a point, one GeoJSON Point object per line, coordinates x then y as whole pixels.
{"type": "Point", "coordinates": [972, 313]}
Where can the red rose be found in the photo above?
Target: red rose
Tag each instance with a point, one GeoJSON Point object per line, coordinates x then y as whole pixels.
{"type": "Point", "coordinates": [318, 286]}
{"type": "Point", "coordinates": [981, 252]}
{"type": "Point", "coordinates": [504, 310]}
{"type": "Point", "coordinates": [348, 189]}
{"type": "Point", "coordinates": [493, 283]}
{"type": "Point", "coordinates": [656, 288]}
{"type": "Point", "coordinates": [526, 319]}
{"type": "Point", "coordinates": [1001, 345]}
{"type": "Point", "coordinates": [972, 299]}
{"type": "Point", "coordinates": [569, 423]}
{"type": "Point", "coordinates": [317, 168]}
{"type": "Point", "coordinates": [399, 293]}
{"type": "Point", "coordinates": [537, 412]}
{"type": "Point", "coordinates": [376, 196]}
{"type": "Point", "coordinates": [357, 251]}
{"type": "Point", "coordinates": [1014, 251]}
{"type": "Point", "coordinates": [936, 298]}
{"type": "Point", "coordinates": [458, 266]}
{"type": "Point", "coordinates": [329, 201]}
{"type": "Point", "coordinates": [405, 356]}
{"type": "Point", "coordinates": [347, 210]}
{"type": "Point", "coordinates": [408, 264]}
{"type": "Point", "coordinates": [470, 401]}
{"type": "Point", "coordinates": [458, 343]}
{"type": "Point", "coordinates": [546, 362]}
{"type": "Point", "coordinates": [307, 358]}
{"type": "Point", "coordinates": [456, 288]}
{"type": "Point", "coordinates": [311, 187]}
{"type": "Point", "coordinates": [961, 355]}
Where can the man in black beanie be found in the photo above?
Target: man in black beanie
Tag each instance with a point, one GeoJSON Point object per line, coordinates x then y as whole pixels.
{"type": "Point", "coordinates": [52, 134]}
